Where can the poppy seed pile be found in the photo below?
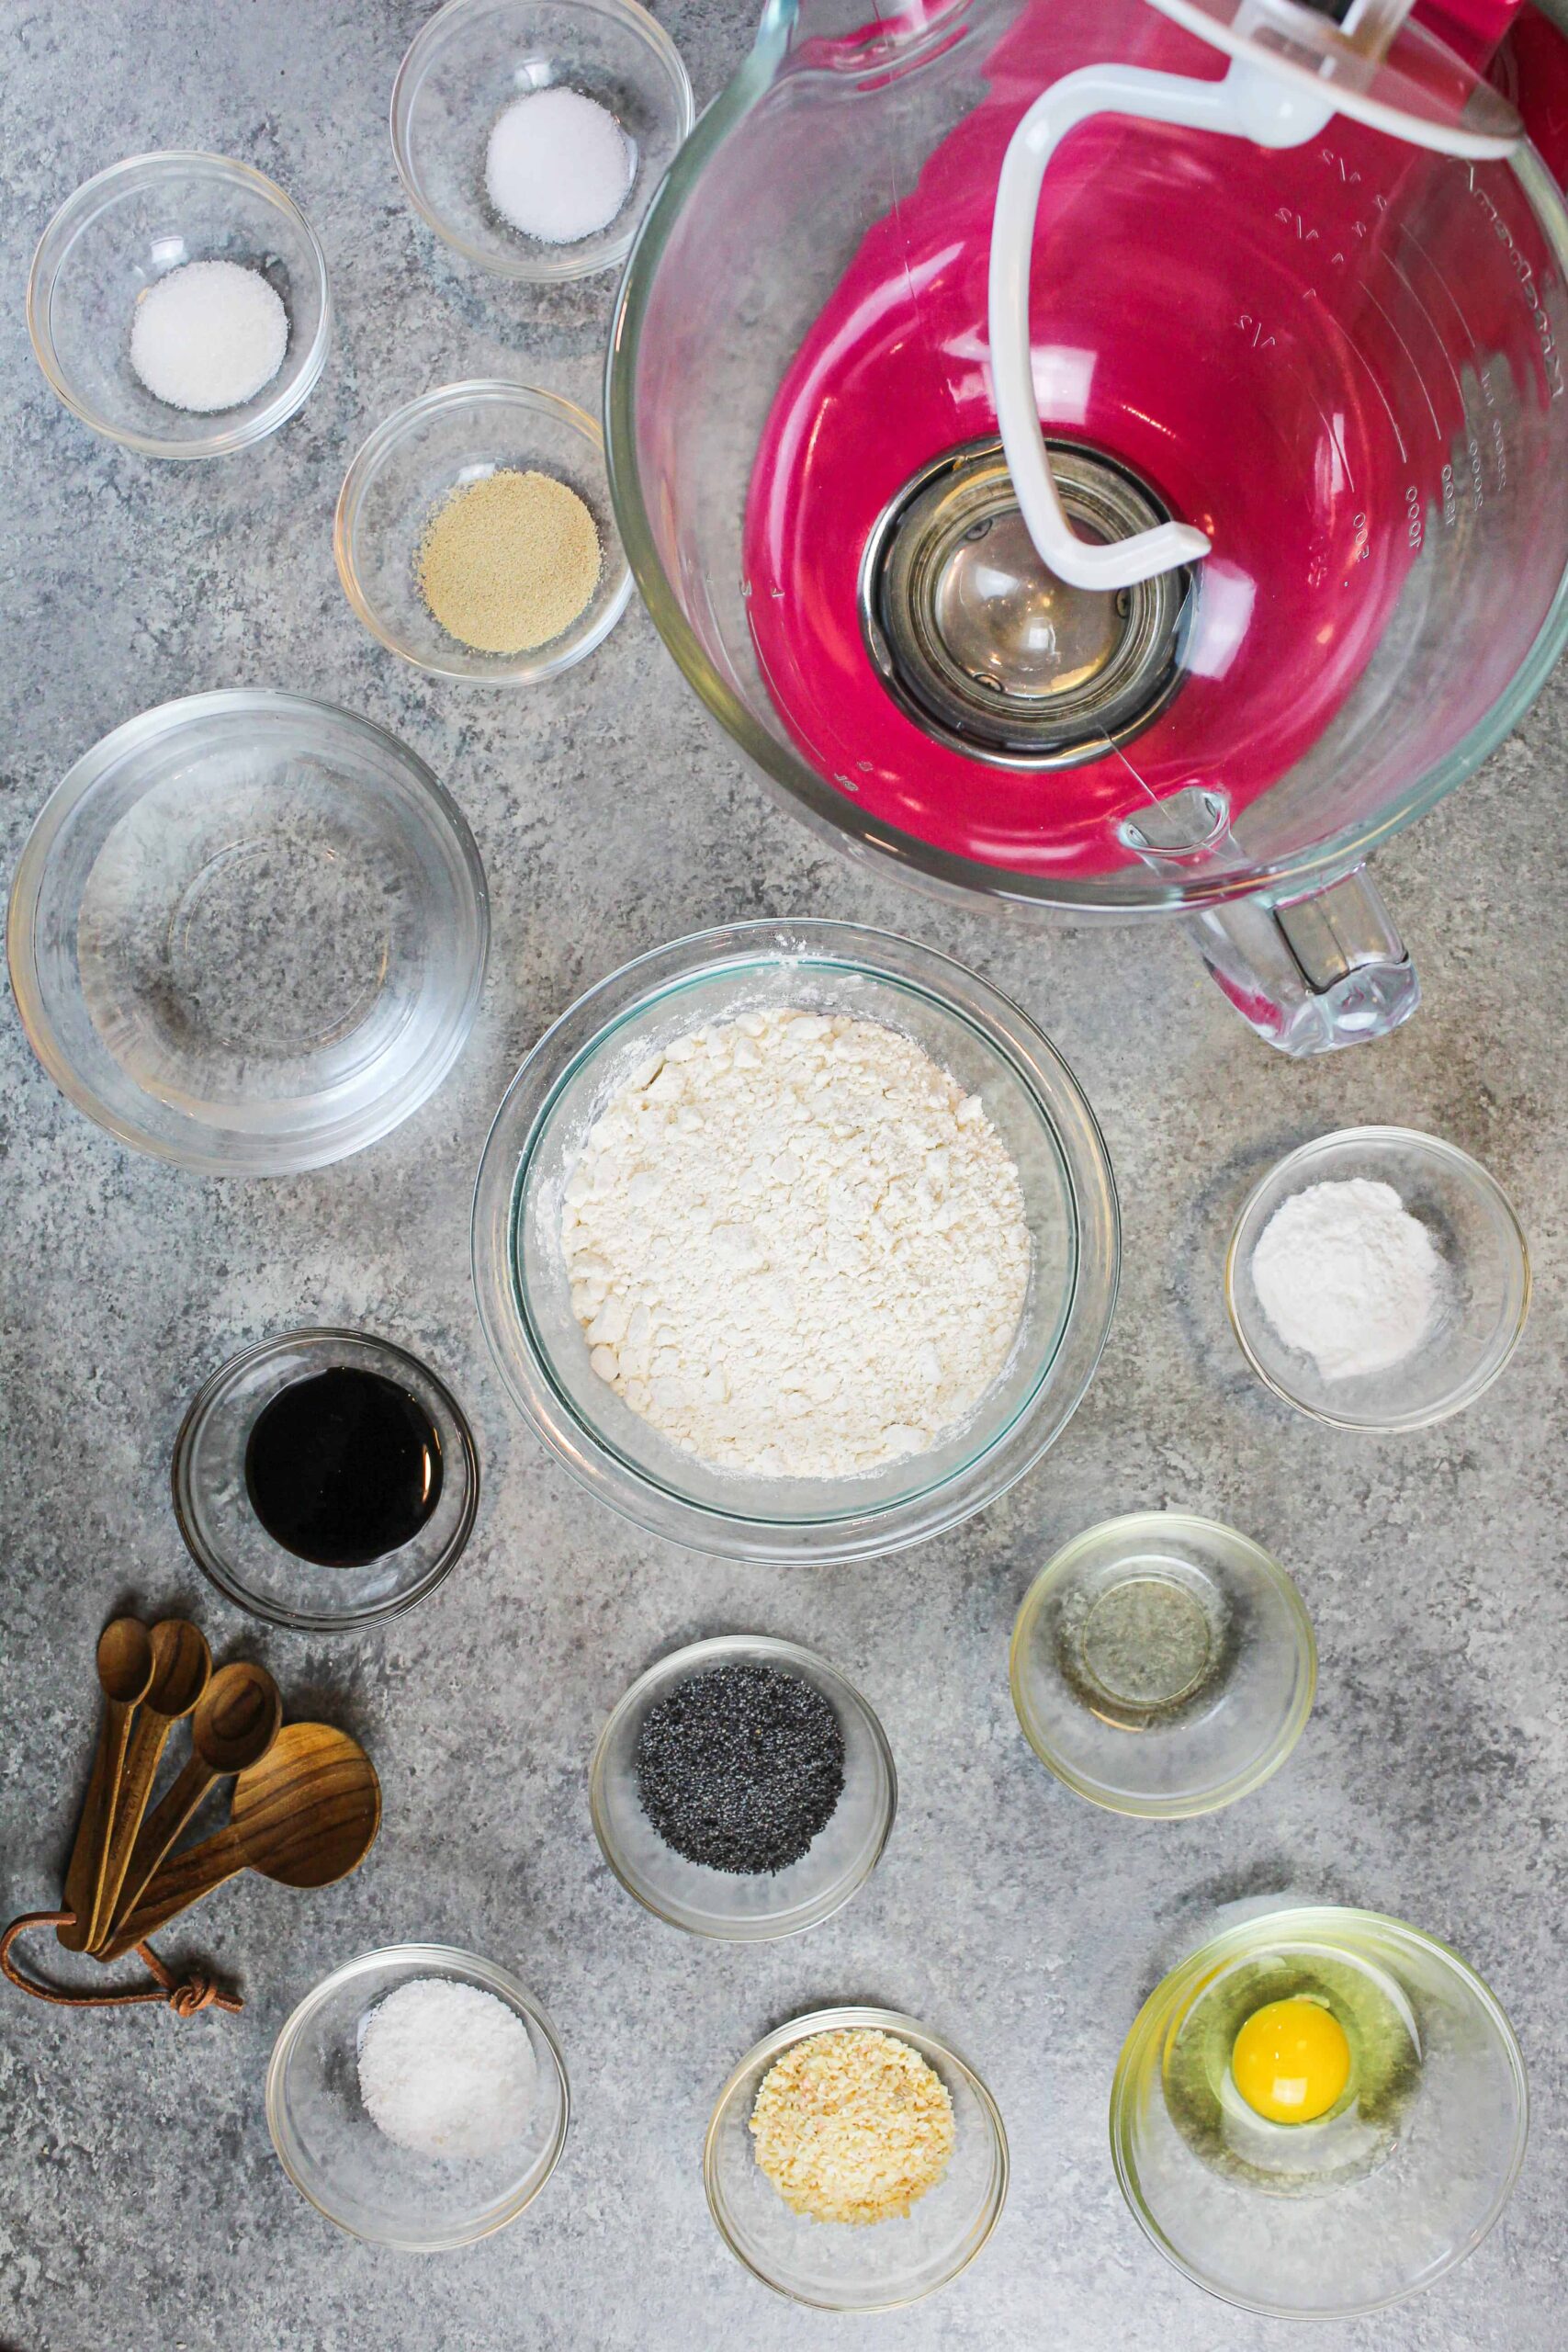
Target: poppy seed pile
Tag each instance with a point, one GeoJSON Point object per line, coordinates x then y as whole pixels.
{"type": "Point", "coordinates": [741, 1767]}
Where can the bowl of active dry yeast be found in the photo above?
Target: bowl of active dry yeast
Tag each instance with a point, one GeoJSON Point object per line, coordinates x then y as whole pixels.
{"type": "Point", "coordinates": [178, 303]}
{"type": "Point", "coordinates": [474, 535]}
{"type": "Point", "coordinates": [795, 1241]}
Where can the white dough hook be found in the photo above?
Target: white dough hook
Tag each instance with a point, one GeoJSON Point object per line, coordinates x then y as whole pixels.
{"type": "Point", "coordinates": [1291, 70]}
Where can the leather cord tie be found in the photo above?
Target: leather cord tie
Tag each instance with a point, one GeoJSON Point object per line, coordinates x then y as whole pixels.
{"type": "Point", "coordinates": [187, 1996]}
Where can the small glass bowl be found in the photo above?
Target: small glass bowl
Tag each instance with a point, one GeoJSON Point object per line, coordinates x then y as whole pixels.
{"type": "Point", "coordinates": [231, 1547]}
{"type": "Point", "coordinates": [987, 1045]}
{"type": "Point", "coordinates": [129, 226]}
{"type": "Point", "coordinates": [838, 2266]}
{"type": "Point", "coordinates": [1488, 1286]}
{"type": "Point", "coordinates": [473, 59]}
{"type": "Point", "coordinates": [1163, 1665]}
{"type": "Point", "coordinates": [1330, 2248]}
{"type": "Point", "coordinates": [410, 465]}
{"type": "Point", "coordinates": [723, 1904]}
{"type": "Point", "coordinates": [247, 934]}
{"type": "Point", "coordinates": [346, 2165]}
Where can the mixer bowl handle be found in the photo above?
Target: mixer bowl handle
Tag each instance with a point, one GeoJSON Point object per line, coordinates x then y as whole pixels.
{"type": "Point", "coordinates": [1325, 971]}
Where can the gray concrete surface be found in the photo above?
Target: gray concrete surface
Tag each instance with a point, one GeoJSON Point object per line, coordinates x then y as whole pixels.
{"type": "Point", "coordinates": [141, 2199]}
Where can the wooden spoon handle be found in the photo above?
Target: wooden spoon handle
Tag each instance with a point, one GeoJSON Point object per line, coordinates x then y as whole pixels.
{"type": "Point", "coordinates": [84, 1874]}
{"type": "Point", "coordinates": [183, 1880]}
{"type": "Point", "coordinates": [143, 1751]}
{"type": "Point", "coordinates": [156, 1834]}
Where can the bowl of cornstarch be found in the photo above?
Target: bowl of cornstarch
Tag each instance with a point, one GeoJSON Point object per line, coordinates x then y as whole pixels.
{"type": "Point", "coordinates": [1378, 1279]}
{"type": "Point", "coordinates": [854, 2161]}
{"type": "Point", "coordinates": [531, 134]}
{"type": "Point", "coordinates": [795, 1241]}
{"type": "Point", "coordinates": [742, 1788]}
{"type": "Point", "coordinates": [418, 2098]}
{"type": "Point", "coordinates": [179, 303]}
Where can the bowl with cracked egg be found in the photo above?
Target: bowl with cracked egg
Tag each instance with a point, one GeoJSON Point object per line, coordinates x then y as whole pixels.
{"type": "Point", "coordinates": [795, 1241]}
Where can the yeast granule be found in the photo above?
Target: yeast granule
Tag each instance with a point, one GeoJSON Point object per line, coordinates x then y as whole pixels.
{"type": "Point", "coordinates": [508, 562]}
{"type": "Point", "coordinates": [853, 2126]}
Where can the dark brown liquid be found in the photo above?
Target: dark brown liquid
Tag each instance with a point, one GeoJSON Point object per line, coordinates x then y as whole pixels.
{"type": "Point", "coordinates": [343, 1467]}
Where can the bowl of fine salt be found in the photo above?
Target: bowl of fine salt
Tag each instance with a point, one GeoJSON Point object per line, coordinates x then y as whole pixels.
{"type": "Point", "coordinates": [178, 303]}
{"type": "Point", "coordinates": [531, 134]}
{"type": "Point", "coordinates": [418, 2098]}
{"type": "Point", "coordinates": [1378, 1279]}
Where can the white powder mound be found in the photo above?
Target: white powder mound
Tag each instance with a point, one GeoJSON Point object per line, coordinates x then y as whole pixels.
{"type": "Point", "coordinates": [795, 1246]}
{"type": "Point", "coordinates": [559, 165]}
{"type": "Point", "coordinates": [1345, 1272]}
{"type": "Point", "coordinates": [446, 2069]}
{"type": "Point", "coordinates": [208, 336]}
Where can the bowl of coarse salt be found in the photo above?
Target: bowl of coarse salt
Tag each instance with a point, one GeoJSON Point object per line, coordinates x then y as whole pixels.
{"type": "Point", "coordinates": [418, 2098]}
{"type": "Point", "coordinates": [1378, 1279]}
{"type": "Point", "coordinates": [178, 303]}
{"type": "Point", "coordinates": [531, 134]}
{"type": "Point", "coordinates": [795, 1241]}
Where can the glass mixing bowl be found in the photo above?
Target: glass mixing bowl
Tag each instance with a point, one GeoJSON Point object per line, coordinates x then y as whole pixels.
{"type": "Point", "coordinates": [121, 232]}
{"type": "Point", "coordinates": [247, 933]}
{"type": "Point", "coordinates": [1445, 2135]}
{"type": "Point", "coordinates": [227, 1541]}
{"type": "Point", "coordinates": [346, 2165]}
{"type": "Point", "coordinates": [1163, 1665]}
{"type": "Point", "coordinates": [1486, 1294]}
{"type": "Point", "coordinates": [833, 2266]}
{"type": "Point", "coordinates": [989, 1047]}
{"type": "Point", "coordinates": [473, 59]}
{"type": "Point", "coordinates": [410, 466]}
{"type": "Point", "coordinates": [728, 1904]}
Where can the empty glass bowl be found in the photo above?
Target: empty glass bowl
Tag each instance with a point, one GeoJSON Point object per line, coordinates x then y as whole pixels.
{"type": "Point", "coordinates": [728, 1904]}
{"type": "Point", "coordinates": [1485, 1296]}
{"type": "Point", "coordinates": [347, 2167]}
{"type": "Point", "coordinates": [1163, 1665]}
{"type": "Point", "coordinates": [474, 59]}
{"type": "Point", "coordinates": [987, 1045]}
{"type": "Point", "coordinates": [227, 1541]}
{"type": "Point", "coordinates": [1413, 2165]}
{"type": "Point", "coordinates": [838, 2266]}
{"type": "Point", "coordinates": [247, 933]}
{"type": "Point", "coordinates": [129, 226]}
{"type": "Point", "coordinates": [404, 473]}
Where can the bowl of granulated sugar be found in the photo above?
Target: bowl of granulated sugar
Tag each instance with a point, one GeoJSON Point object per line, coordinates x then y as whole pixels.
{"type": "Point", "coordinates": [475, 538]}
{"type": "Point", "coordinates": [418, 2098]}
{"type": "Point", "coordinates": [178, 303]}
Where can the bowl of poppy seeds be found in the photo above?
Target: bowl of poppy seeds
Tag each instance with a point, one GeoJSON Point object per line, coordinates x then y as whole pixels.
{"type": "Point", "coordinates": [742, 1788]}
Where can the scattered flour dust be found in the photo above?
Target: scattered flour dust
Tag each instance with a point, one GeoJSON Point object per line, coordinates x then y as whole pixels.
{"type": "Point", "coordinates": [1344, 1272]}
{"type": "Point", "coordinates": [446, 2069]}
{"type": "Point", "coordinates": [795, 1246]}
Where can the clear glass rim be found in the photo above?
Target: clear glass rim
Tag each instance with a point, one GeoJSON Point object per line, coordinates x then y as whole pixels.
{"type": "Point", "coordinates": [472, 1969]}
{"type": "Point", "coordinates": [211, 1563]}
{"type": "Point", "coordinates": [1303, 1922]}
{"type": "Point", "coordinates": [856, 832]}
{"type": "Point", "coordinates": [1132, 1525]}
{"type": "Point", "coordinates": [492, 391]}
{"type": "Point", "coordinates": [716, 1650]}
{"type": "Point", "coordinates": [252, 1154]}
{"type": "Point", "coordinates": [55, 245]}
{"type": "Point", "coordinates": [1088, 1185]}
{"type": "Point", "coordinates": [542, 271]}
{"type": "Point", "coordinates": [906, 2029]}
{"type": "Point", "coordinates": [1478, 1178]}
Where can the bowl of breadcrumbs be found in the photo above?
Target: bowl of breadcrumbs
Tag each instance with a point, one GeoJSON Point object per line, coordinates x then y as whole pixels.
{"type": "Point", "coordinates": [855, 2162]}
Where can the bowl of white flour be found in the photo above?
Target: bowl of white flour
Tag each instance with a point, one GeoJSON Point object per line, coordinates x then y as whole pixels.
{"type": "Point", "coordinates": [1378, 1279]}
{"type": "Point", "coordinates": [795, 1241]}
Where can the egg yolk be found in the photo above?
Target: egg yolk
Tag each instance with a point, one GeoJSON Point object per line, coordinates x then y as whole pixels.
{"type": "Point", "coordinates": [1291, 2060]}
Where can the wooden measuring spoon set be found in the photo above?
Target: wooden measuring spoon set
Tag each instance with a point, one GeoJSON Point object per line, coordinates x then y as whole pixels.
{"type": "Point", "coordinates": [305, 1809]}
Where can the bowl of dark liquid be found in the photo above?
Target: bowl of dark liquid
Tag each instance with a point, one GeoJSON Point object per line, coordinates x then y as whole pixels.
{"type": "Point", "coordinates": [325, 1479]}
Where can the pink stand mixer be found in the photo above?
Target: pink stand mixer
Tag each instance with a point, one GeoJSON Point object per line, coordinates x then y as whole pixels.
{"type": "Point", "coordinates": [1111, 456]}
